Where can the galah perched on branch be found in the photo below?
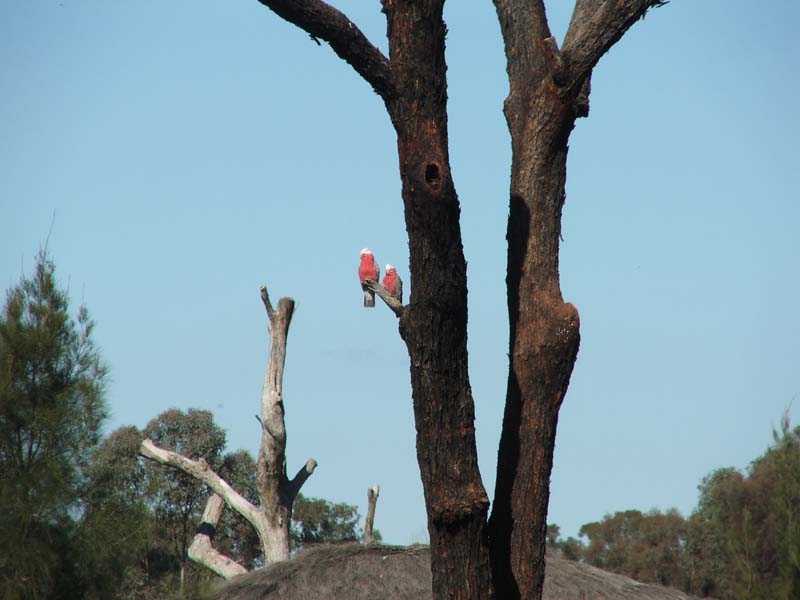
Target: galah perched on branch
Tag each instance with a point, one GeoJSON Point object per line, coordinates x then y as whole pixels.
{"type": "Point", "coordinates": [368, 269]}
{"type": "Point", "coordinates": [393, 283]}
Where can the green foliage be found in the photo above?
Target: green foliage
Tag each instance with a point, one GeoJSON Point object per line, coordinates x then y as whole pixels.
{"type": "Point", "coordinates": [236, 537]}
{"type": "Point", "coordinates": [176, 499]}
{"type": "Point", "coordinates": [571, 548]}
{"type": "Point", "coordinates": [116, 524]}
{"type": "Point", "coordinates": [647, 547]}
{"type": "Point", "coordinates": [85, 519]}
{"type": "Point", "coordinates": [316, 521]}
{"type": "Point", "coordinates": [741, 543]}
{"type": "Point", "coordinates": [745, 540]}
{"type": "Point", "coordinates": [52, 407]}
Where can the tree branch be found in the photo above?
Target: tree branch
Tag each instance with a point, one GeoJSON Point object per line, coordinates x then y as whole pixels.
{"type": "Point", "coordinates": [323, 21]}
{"type": "Point", "coordinates": [524, 27]}
{"type": "Point", "coordinates": [201, 551]}
{"type": "Point", "coordinates": [199, 469]}
{"type": "Point", "coordinates": [372, 500]}
{"type": "Point", "coordinates": [393, 303]}
{"type": "Point", "coordinates": [293, 487]}
{"type": "Point", "coordinates": [594, 28]}
{"type": "Point", "coordinates": [267, 303]}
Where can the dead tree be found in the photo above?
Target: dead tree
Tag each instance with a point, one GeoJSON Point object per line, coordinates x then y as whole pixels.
{"type": "Point", "coordinates": [372, 500]}
{"type": "Point", "coordinates": [277, 492]}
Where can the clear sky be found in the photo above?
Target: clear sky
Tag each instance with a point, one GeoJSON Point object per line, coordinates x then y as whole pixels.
{"type": "Point", "coordinates": [186, 153]}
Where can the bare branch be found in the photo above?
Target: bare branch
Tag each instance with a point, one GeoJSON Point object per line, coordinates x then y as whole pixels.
{"type": "Point", "coordinates": [325, 22]}
{"type": "Point", "coordinates": [201, 551]}
{"type": "Point", "coordinates": [595, 27]}
{"type": "Point", "coordinates": [393, 303]}
{"type": "Point", "coordinates": [294, 486]}
{"type": "Point", "coordinates": [372, 500]}
{"type": "Point", "coordinates": [199, 469]}
{"type": "Point", "coordinates": [267, 303]}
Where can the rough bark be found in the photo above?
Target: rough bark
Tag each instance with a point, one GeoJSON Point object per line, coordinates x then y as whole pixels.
{"type": "Point", "coordinates": [413, 86]}
{"type": "Point", "coordinates": [434, 324]}
{"type": "Point", "coordinates": [277, 492]}
{"type": "Point", "coordinates": [372, 500]}
{"type": "Point", "coordinates": [548, 90]}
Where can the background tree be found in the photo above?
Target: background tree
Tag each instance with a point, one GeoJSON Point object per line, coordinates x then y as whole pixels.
{"type": "Point", "coordinates": [570, 548]}
{"type": "Point", "coordinates": [549, 90]}
{"type": "Point", "coordinates": [646, 547]}
{"type": "Point", "coordinates": [236, 537]}
{"type": "Point", "coordinates": [52, 407]}
{"type": "Point", "coordinates": [318, 521]}
{"type": "Point", "coordinates": [116, 526]}
{"type": "Point", "coordinates": [744, 538]}
{"type": "Point", "coordinates": [176, 498]}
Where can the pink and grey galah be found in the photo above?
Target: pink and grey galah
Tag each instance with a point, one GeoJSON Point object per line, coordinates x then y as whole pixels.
{"type": "Point", "coordinates": [393, 283]}
{"type": "Point", "coordinates": [368, 269]}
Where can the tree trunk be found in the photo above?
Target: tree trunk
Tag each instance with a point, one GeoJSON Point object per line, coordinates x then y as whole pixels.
{"type": "Point", "coordinates": [434, 324]}
{"type": "Point", "coordinates": [544, 341]}
{"type": "Point", "coordinates": [369, 522]}
{"type": "Point", "coordinates": [548, 91]}
{"type": "Point", "coordinates": [276, 490]}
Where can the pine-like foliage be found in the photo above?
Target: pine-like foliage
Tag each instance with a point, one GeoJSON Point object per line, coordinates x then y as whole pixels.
{"type": "Point", "coordinates": [51, 411]}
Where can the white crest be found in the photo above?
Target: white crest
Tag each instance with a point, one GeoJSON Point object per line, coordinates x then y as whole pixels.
{"type": "Point", "coordinates": [365, 251]}
{"type": "Point", "coordinates": [389, 268]}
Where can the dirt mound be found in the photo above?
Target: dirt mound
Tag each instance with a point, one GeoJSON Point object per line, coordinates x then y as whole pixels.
{"type": "Point", "coordinates": [357, 572]}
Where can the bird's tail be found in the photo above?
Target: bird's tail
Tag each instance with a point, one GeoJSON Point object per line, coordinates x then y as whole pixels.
{"type": "Point", "coordinates": [369, 299]}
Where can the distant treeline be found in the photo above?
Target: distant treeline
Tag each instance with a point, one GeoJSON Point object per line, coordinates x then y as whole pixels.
{"type": "Point", "coordinates": [742, 542]}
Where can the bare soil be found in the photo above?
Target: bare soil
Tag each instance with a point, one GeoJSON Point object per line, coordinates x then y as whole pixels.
{"type": "Point", "coordinates": [358, 572]}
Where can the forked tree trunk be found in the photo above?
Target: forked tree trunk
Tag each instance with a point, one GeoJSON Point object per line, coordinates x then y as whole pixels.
{"type": "Point", "coordinates": [548, 91]}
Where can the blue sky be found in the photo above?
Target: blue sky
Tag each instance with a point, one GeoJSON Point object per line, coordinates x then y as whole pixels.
{"type": "Point", "coordinates": [187, 153]}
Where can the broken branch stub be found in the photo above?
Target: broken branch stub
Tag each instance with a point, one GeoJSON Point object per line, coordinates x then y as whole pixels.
{"type": "Point", "coordinates": [372, 500]}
